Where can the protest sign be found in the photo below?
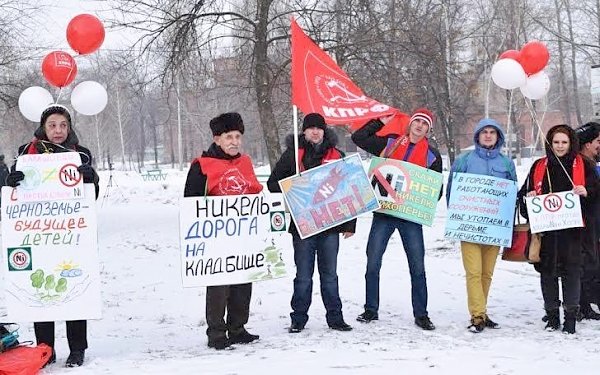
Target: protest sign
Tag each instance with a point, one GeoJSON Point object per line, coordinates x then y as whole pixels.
{"type": "Point", "coordinates": [233, 239]}
{"type": "Point", "coordinates": [50, 177]}
{"type": "Point", "coordinates": [481, 209]}
{"type": "Point", "coordinates": [554, 211]}
{"type": "Point", "coordinates": [328, 195]}
{"type": "Point", "coordinates": [50, 258]}
{"type": "Point", "coordinates": [405, 190]}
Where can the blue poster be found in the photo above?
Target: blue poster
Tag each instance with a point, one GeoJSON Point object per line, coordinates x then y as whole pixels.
{"type": "Point", "coordinates": [329, 195]}
{"type": "Point", "coordinates": [481, 209]}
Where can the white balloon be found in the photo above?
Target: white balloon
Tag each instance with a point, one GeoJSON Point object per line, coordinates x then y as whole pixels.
{"type": "Point", "coordinates": [508, 74]}
{"type": "Point", "coordinates": [89, 98]}
{"type": "Point", "coordinates": [536, 86]}
{"type": "Point", "coordinates": [32, 102]}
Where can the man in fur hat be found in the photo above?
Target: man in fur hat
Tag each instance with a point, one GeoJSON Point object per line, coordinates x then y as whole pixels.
{"type": "Point", "coordinates": [223, 170]}
{"type": "Point", "coordinates": [317, 146]}
{"type": "Point", "coordinates": [412, 147]}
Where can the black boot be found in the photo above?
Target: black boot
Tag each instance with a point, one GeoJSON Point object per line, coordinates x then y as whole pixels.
{"type": "Point", "coordinates": [553, 322]}
{"type": "Point", "coordinates": [570, 319]}
{"type": "Point", "coordinates": [586, 312]}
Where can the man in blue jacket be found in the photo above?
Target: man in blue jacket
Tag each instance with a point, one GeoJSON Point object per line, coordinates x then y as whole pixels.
{"type": "Point", "coordinates": [479, 260]}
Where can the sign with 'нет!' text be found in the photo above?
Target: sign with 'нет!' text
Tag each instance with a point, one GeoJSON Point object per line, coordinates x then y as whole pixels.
{"type": "Point", "coordinates": [481, 209]}
{"type": "Point", "coordinates": [405, 190]}
{"type": "Point", "coordinates": [554, 211]}
{"type": "Point", "coordinates": [328, 195]}
{"type": "Point", "coordinates": [50, 177]}
{"type": "Point", "coordinates": [233, 239]}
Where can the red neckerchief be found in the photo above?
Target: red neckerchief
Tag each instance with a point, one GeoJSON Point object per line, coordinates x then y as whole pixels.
{"type": "Point", "coordinates": [540, 171]}
{"type": "Point", "coordinates": [229, 177]}
{"type": "Point", "coordinates": [331, 154]}
{"type": "Point", "coordinates": [397, 150]}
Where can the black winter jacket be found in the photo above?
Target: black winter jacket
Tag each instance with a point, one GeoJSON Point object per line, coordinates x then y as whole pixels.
{"type": "Point", "coordinates": [195, 184]}
{"type": "Point", "coordinates": [562, 250]}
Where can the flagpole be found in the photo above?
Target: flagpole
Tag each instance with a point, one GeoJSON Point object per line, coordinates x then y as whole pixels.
{"type": "Point", "coordinates": [295, 120]}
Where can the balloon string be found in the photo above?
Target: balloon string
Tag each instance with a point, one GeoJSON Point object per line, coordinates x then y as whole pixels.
{"type": "Point", "coordinates": [61, 88]}
{"type": "Point", "coordinates": [541, 132]}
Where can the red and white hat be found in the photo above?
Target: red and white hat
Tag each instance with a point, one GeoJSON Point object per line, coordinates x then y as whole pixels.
{"type": "Point", "coordinates": [423, 114]}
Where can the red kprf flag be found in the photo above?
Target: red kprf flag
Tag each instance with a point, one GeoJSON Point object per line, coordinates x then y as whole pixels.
{"type": "Point", "coordinates": [319, 85]}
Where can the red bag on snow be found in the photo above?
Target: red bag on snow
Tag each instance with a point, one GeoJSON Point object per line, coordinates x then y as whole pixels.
{"type": "Point", "coordinates": [24, 360]}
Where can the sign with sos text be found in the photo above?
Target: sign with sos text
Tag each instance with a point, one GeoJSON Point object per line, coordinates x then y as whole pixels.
{"type": "Point", "coordinates": [554, 211]}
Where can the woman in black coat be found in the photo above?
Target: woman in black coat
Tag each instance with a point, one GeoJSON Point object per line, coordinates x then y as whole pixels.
{"type": "Point", "coordinates": [561, 254]}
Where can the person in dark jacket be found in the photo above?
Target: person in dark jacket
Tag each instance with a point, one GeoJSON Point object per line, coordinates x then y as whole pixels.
{"type": "Point", "coordinates": [317, 146]}
{"type": "Point", "coordinates": [561, 252]}
{"type": "Point", "coordinates": [589, 140]}
{"type": "Point", "coordinates": [56, 134]}
{"type": "Point", "coordinates": [412, 147]}
{"type": "Point", "coordinates": [223, 170]}
{"type": "Point", "coordinates": [3, 171]}
{"type": "Point", "coordinates": [3, 174]}
{"type": "Point", "coordinates": [479, 260]}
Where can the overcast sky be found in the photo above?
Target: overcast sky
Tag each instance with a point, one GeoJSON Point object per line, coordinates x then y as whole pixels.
{"type": "Point", "coordinates": [49, 25]}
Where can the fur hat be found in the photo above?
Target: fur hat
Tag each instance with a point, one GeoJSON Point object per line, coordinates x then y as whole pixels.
{"type": "Point", "coordinates": [423, 114]}
{"type": "Point", "coordinates": [227, 122]}
{"type": "Point", "coordinates": [314, 120]}
{"type": "Point", "coordinates": [52, 109]}
{"type": "Point", "coordinates": [587, 132]}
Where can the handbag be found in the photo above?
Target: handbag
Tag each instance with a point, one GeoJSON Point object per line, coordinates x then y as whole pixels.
{"type": "Point", "coordinates": [525, 246]}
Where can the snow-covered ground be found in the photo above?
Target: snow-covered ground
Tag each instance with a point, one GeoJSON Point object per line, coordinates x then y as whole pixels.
{"type": "Point", "coordinates": [152, 325]}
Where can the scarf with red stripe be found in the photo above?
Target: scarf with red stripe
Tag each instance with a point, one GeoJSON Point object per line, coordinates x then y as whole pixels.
{"type": "Point", "coordinates": [540, 171]}
{"type": "Point", "coordinates": [397, 150]}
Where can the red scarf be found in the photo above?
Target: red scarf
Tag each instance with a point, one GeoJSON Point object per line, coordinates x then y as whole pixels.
{"type": "Point", "coordinates": [32, 149]}
{"type": "Point", "coordinates": [540, 171]}
{"type": "Point", "coordinates": [229, 177]}
{"type": "Point", "coordinates": [398, 149]}
{"type": "Point", "coordinates": [330, 155]}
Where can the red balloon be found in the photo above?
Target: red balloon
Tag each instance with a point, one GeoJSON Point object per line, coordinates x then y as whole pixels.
{"type": "Point", "coordinates": [510, 54]}
{"type": "Point", "coordinates": [534, 57]}
{"type": "Point", "coordinates": [85, 33]}
{"type": "Point", "coordinates": [59, 68]}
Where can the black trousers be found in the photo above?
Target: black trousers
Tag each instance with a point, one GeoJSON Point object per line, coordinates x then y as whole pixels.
{"type": "Point", "coordinates": [235, 299]}
{"type": "Point", "coordinates": [571, 289]}
{"type": "Point", "coordinates": [76, 334]}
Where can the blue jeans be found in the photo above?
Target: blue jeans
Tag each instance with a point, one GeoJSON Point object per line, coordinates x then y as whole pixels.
{"type": "Point", "coordinates": [324, 246]}
{"type": "Point", "coordinates": [382, 228]}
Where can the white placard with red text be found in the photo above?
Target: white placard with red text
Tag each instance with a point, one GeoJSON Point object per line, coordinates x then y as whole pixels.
{"type": "Point", "coordinates": [554, 211]}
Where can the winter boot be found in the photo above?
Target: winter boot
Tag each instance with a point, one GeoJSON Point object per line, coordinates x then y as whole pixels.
{"type": "Point", "coordinates": [570, 319]}
{"type": "Point", "coordinates": [586, 312]}
{"type": "Point", "coordinates": [553, 322]}
{"type": "Point", "coordinates": [477, 324]}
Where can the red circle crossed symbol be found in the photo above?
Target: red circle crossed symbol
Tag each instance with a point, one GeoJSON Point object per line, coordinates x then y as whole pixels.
{"type": "Point", "coordinates": [69, 175]}
{"type": "Point", "coordinates": [552, 202]}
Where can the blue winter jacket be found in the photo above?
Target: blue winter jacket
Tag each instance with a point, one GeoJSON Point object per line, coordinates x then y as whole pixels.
{"type": "Point", "coordinates": [489, 162]}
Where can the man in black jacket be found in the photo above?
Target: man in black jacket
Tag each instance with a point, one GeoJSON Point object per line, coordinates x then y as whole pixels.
{"type": "Point", "coordinates": [316, 147]}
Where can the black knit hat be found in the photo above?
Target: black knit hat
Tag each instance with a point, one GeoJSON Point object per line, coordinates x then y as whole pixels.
{"type": "Point", "coordinates": [587, 132]}
{"type": "Point", "coordinates": [313, 120]}
{"type": "Point", "coordinates": [227, 122]}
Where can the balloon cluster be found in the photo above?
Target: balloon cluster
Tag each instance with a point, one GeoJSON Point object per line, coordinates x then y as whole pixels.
{"type": "Point", "coordinates": [85, 34]}
{"type": "Point", "coordinates": [524, 69]}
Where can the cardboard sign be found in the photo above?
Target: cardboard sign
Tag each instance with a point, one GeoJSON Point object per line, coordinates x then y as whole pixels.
{"type": "Point", "coordinates": [328, 195]}
{"type": "Point", "coordinates": [554, 211]}
{"type": "Point", "coordinates": [50, 177]}
{"type": "Point", "coordinates": [233, 239]}
{"type": "Point", "coordinates": [405, 190]}
{"type": "Point", "coordinates": [50, 258]}
{"type": "Point", "coordinates": [481, 209]}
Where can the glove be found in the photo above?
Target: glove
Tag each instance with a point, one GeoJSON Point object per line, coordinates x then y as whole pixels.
{"type": "Point", "coordinates": [87, 172]}
{"type": "Point", "coordinates": [14, 178]}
